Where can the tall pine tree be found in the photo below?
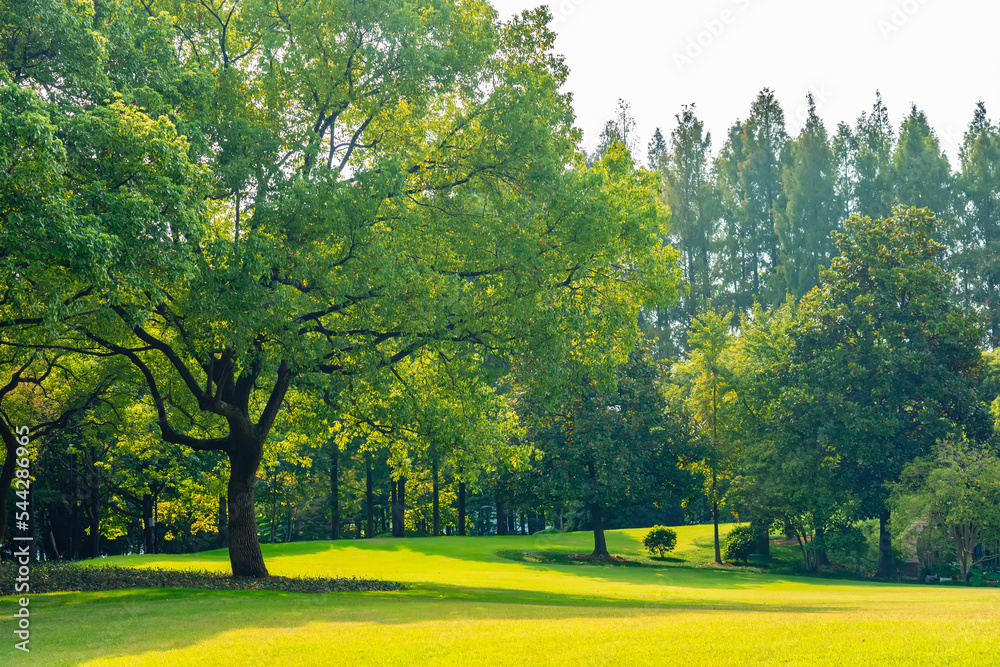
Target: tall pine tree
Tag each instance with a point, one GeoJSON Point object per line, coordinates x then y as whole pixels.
{"type": "Point", "coordinates": [810, 212]}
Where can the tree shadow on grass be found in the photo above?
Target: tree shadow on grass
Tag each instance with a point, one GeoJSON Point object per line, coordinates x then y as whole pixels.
{"type": "Point", "coordinates": [77, 627]}
{"type": "Point", "coordinates": [542, 552]}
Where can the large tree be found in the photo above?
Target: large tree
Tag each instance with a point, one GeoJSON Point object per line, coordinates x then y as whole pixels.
{"type": "Point", "coordinates": [883, 351]}
{"type": "Point", "coordinates": [385, 177]}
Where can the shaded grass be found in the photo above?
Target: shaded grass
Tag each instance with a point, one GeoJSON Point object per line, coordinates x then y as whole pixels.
{"type": "Point", "coordinates": [62, 577]}
{"type": "Point", "coordinates": [468, 604]}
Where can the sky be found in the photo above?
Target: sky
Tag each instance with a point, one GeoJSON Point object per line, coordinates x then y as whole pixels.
{"type": "Point", "coordinates": [718, 54]}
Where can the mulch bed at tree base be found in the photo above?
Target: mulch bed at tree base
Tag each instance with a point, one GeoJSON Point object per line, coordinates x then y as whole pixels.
{"type": "Point", "coordinates": [593, 558]}
{"type": "Point", "coordinates": [60, 577]}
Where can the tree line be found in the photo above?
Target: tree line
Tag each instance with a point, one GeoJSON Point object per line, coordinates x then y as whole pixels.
{"type": "Point", "coordinates": [754, 220]}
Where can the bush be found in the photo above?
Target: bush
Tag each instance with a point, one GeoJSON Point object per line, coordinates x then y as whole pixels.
{"type": "Point", "coordinates": [740, 543]}
{"type": "Point", "coordinates": [659, 540]}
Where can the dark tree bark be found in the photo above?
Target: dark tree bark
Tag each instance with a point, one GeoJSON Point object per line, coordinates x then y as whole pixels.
{"type": "Point", "coordinates": [763, 540]}
{"type": "Point", "coordinates": [369, 510]}
{"type": "Point", "coordinates": [821, 556]}
{"type": "Point", "coordinates": [715, 518]}
{"type": "Point", "coordinates": [222, 524]}
{"type": "Point", "coordinates": [94, 508]}
{"type": "Point", "coordinates": [884, 547]}
{"type": "Point", "coordinates": [7, 473]}
{"type": "Point", "coordinates": [399, 509]}
{"type": "Point", "coordinates": [149, 525]}
{"type": "Point", "coordinates": [501, 519]}
{"type": "Point", "coordinates": [74, 543]}
{"type": "Point", "coordinates": [600, 545]}
{"type": "Point", "coordinates": [334, 492]}
{"type": "Point", "coordinates": [524, 527]}
{"type": "Point", "coordinates": [461, 508]}
{"type": "Point", "coordinates": [392, 506]}
{"type": "Point", "coordinates": [245, 556]}
{"type": "Point", "coordinates": [436, 510]}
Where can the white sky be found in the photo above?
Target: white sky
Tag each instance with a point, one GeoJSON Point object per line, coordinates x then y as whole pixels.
{"type": "Point", "coordinates": [941, 55]}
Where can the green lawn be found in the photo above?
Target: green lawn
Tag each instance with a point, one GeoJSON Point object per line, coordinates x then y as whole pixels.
{"type": "Point", "coordinates": [470, 606]}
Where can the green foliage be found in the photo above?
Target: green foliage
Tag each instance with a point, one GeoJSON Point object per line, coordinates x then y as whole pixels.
{"type": "Point", "coordinates": [612, 446]}
{"type": "Point", "coordinates": [741, 541]}
{"type": "Point", "coordinates": [805, 224]}
{"type": "Point", "coordinates": [883, 363]}
{"type": "Point", "coordinates": [659, 540]}
{"type": "Point", "coordinates": [951, 497]}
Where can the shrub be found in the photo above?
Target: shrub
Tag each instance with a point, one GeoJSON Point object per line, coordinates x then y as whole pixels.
{"type": "Point", "coordinates": [740, 543]}
{"type": "Point", "coordinates": [659, 540]}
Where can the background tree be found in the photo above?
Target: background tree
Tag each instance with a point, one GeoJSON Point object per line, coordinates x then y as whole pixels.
{"type": "Point", "coordinates": [810, 215]}
{"type": "Point", "coordinates": [955, 493]}
{"type": "Point", "coordinates": [921, 173]}
{"type": "Point", "coordinates": [976, 243]}
{"type": "Point", "coordinates": [883, 351]}
{"type": "Point", "coordinates": [704, 379]}
{"type": "Point", "coordinates": [607, 447]}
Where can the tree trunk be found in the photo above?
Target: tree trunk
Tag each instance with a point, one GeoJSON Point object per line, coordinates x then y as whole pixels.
{"type": "Point", "coordinates": [245, 556]}
{"type": "Point", "coordinates": [399, 509]}
{"type": "Point", "coordinates": [369, 510]}
{"type": "Point", "coordinates": [763, 540]}
{"type": "Point", "coordinates": [436, 510]}
{"type": "Point", "coordinates": [600, 545]}
{"type": "Point", "coordinates": [149, 523]}
{"type": "Point", "coordinates": [223, 522]}
{"type": "Point", "coordinates": [334, 492]}
{"type": "Point", "coordinates": [94, 511]}
{"type": "Point", "coordinates": [71, 533]}
{"type": "Point", "coordinates": [7, 474]}
{"type": "Point", "coordinates": [501, 519]}
{"type": "Point", "coordinates": [156, 513]}
{"type": "Point", "coordinates": [715, 518]}
{"type": "Point", "coordinates": [392, 506]}
{"type": "Point", "coordinates": [461, 509]}
{"type": "Point", "coordinates": [884, 547]}
{"type": "Point", "coordinates": [821, 556]}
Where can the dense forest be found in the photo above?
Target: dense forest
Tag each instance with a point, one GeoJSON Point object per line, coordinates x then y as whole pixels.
{"type": "Point", "coordinates": [329, 270]}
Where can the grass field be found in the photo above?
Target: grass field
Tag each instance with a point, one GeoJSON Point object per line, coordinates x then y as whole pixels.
{"type": "Point", "coordinates": [513, 601]}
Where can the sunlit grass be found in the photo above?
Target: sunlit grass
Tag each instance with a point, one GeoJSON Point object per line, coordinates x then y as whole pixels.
{"type": "Point", "coordinates": [467, 605]}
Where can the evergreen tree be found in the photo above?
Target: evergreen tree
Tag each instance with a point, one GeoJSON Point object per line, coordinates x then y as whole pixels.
{"type": "Point", "coordinates": [810, 212]}
{"type": "Point", "coordinates": [760, 173]}
{"type": "Point", "coordinates": [873, 176]}
{"type": "Point", "coordinates": [922, 175]}
{"type": "Point", "coordinates": [656, 150]}
{"type": "Point", "coordinates": [618, 130]}
{"type": "Point", "coordinates": [689, 193]}
{"type": "Point", "coordinates": [732, 270]}
{"type": "Point", "coordinates": [977, 241]}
